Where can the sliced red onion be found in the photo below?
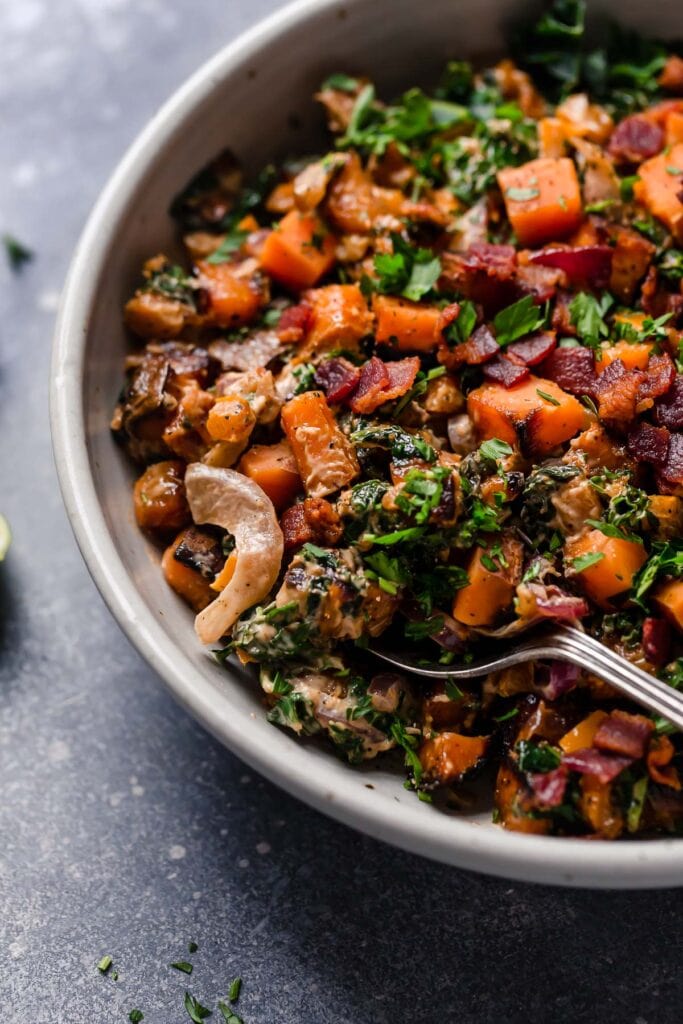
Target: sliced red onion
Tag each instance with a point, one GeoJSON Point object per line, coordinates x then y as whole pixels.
{"type": "Point", "coordinates": [580, 263]}
{"type": "Point", "coordinates": [549, 787]}
{"type": "Point", "coordinates": [563, 677]}
{"type": "Point", "coordinates": [624, 734]}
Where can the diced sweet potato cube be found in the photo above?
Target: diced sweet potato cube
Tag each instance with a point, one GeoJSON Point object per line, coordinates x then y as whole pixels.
{"type": "Point", "coordinates": [542, 199]}
{"type": "Point", "coordinates": [339, 317]}
{"type": "Point", "coordinates": [299, 251]}
{"type": "Point", "coordinates": [659, 188]}
{"type": "Point", "coordinates": [325, 458]}
{"type": "Point", "coordinates": [668, 598]}
{"type": "Point", "coordinates": [408, 326]}
{"type": "Point", "coordinates": [449, 756]}
{"type": "Point", "coordinates": [613, 572]}
{"type": "Point", "coordinates": [536, 414]}
{"type": "Point", "coordinates": [634, 355]}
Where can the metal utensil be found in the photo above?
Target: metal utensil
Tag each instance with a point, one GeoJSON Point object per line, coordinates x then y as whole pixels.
{"type": "Point", "coordinates": [562, 643]}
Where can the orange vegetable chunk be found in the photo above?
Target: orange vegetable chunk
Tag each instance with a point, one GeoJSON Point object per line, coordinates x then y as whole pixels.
{"type": "Point", "coordinates": [340, 317]}
{"type": "Point", "coordinates": [486, 595]}
{"type": "Point", "coordinates": [186, 582]}
{"type": "Point", "coordinates": [659, 188]}
{"type": "Point", "coordinates": [273, 467]}
{"type": "Point", "coordinates": [324, 456]}
{"type": "Point", "coordinates": [582, 735]}
{"type": "Point", "coordinates": [668, 598]}
{"type": "Point", "coordinates": [299, 251]}
{"type": "Point", "coordinates": [613, 573]}
{"type": "Point", "coordinates": [634, 355]}
{"type": "Point", "coordinates": [520, 415]}
{"type": "Point", "coordinates": [450, 755]}
{"type": "Point", "coordinates": [233, 301]}
{"type": "Point", "coordinates": [408, 326]}
{"type": "Point", "coordinates": [542, 199]}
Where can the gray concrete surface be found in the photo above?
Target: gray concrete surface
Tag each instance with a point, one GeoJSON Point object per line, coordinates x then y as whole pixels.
{"type": "Point", "coordinates": [124, 828]}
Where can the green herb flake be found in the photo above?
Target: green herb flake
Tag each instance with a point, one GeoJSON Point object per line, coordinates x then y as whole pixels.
{"type": "Point", "coordinates": [610, 530]}
{"type": "Point", "coordinates": [195, 1011]}
{"type": "Point", "coordinates": [537, 757]}
{"type": "Point", "coordinates": [522, 195]}
{"type": "Point", "coordinates": [229, 1016]}
{"type": "Point", "coordinates": [636, 804]}
{"type": "Point", "coordinates": [507, 715]}
{"type": "Point", "coordinates": [182, 965]}
{"type": "Point", "coordinates": [587, 315]}
{"type": "Point", "coordinates": [17, 254]}
{"type": "Point", "coordinates": [584, 562]}
{"type": "Point", "coordinates": [104, 964]}
{"type": "Point", "coordinates": [341, 82]}
{"type": "Point", "coordinates": [494, 449]}
{"type": "Point", "coordinates": [234, 989]}
{"type": "Point", "coordinates": [231, 244]}
{"type": "Point", "coordinates": [135, 1016]}
{"type": "Point", "coordinates": [547, 397]}
{"type": "Point", "coordinates": [675, 171]}
{"type": "Point", "coordinates": [453, 691]}
{"type": "Point", "coordinates": [515, 321]}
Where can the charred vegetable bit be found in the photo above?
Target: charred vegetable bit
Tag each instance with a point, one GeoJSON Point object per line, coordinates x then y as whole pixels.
{"type": "Point", "coordinates": [429, 384]}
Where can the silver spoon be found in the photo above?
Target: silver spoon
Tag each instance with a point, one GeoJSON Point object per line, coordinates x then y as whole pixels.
{"type": "Point", "coordinates": [562, 643]}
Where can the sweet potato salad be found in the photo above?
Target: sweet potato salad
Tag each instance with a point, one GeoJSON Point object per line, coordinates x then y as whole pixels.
{"type": "Point", "coordinates": [428, 384]}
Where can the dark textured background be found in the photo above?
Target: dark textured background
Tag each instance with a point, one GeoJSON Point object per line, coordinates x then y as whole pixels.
{"type": "Point", "coordinates": [124, 828]}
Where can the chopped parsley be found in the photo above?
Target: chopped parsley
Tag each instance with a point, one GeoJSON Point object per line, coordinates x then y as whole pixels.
{"type": "Point", "coordinates": [231, 244]}
{"type": "Point", "coordinates": [195, 1011]}
{"type": "Point", "coordinates": [537, 757]}
{"type": "Point", "coordinates": [407, 271]}
{"type": "Point", "coordinates": [584, 562]}
{"type": "Point", "coordinates": [229, 1016]}
{"type": "Point", "coordinates": [135, 1016]}
{"type": "Point", "coordinates": [344, 83]}
{"type": "Point", "coordinates": [104, 964]}
{"type": "Point", "coordinates": [515, 321]}
{"type": "Point", "coordinates": [587, 315]}
{"type": "Point", "coordinates": [182, 965]}
{"type": "Point", "coordinates": [234, 989]}
{"type": "Point", "coordinates": [666, 560]}
{"type": "Point", "coordinates": [17, 254]}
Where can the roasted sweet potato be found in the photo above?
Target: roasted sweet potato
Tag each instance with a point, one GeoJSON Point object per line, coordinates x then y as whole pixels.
{"type": "Point", "coordinates": [668, 598]}
{"type": "Point", "coordinates": [186, 577]}
{"type": "Point", "coordinates": [299, 251]}
{"type": "Point", "coordinates": [542, 199]}
{"type": "Point", "coordinates": [407, 326]}
{"type": "Point", "coordinates": [159, 497]}
{"type": "Point", "coordinates": [659, 188]}
{"type": "Point", "coordinates": [536, 414]}
{"type": "Point", "coordinates": [634, 355]}
{"type": "Point", "coordinates": [491, 587]}
{"type": "Point", "coordinates": [273, 467]}
{"type": "Point", "coordinates": [339, 318]}
{"type": "Point", "coordinates": [449, 756]}
{"type": "Point", "coordinates": [582, 735]}
{"type": "Point", "coordinates": [325, 458]}
{"type": "Point", "coordinates": [612, 573]}
{"type": "Point", "coordinates": [233, 300]}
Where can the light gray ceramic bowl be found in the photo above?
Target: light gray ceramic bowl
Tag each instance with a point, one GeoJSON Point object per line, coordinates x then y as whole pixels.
{"type": "Point", "coordinates": [255, 96]}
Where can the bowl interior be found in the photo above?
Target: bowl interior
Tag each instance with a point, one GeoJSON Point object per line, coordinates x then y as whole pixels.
{"type": "Point", "coordinates": [256, 98]}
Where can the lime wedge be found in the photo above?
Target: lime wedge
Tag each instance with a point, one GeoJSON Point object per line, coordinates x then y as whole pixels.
{"type": "Point", "coordinates": [5, 537]}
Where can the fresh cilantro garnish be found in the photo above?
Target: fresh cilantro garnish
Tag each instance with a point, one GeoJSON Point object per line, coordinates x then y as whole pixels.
{"type": "Point", "coordinates": [453, 691]}
{"type": "Point", "coordinates": [666, 560]}
{"type": "Point", "coordinates": [396, 537]}
{"type": "Point", "coordinates": [412, 120]}
{"type": "Point", "coordinates": [104, 964]}
{"type": "Point", "coordinates": [482, 518]}
{"type": "Point", "coordinates": [587, 315]}
{"type": "Point", "coordinates": [135, 1016]}
{"type": "Point", "coordinates": [192, 947]}
{"type": "Point", "coordinates": [424, 629]}
{"type": "Point", "coordinates": [610, 530]}
{"type": "Point", "coordinates": [407, 271]}
{"type": "Point", "coordinates": [515, 321]}
{"type": "Point", "coordinates": [584, 562]}
{"type": "Point", "coordinates": [195, 1010]}
{"type": "Point", "coordinates": [342, 82]}
{"type": "Point", "coordinates": [421, 492]}
{"type": "Point", "coordinates": [182, 965]}
{"type": "Point", "coordinates": [461, 328]}
{"type": "Point", "coordinates": [494, 449]}
{"type": "Point", "coordinates": [537, 757]}
{"type": "Point", "coordinates": [409, 742]}
{"type": "Point", "coordinates": [670, 264]}
{"type": "Point", "coordinates": [387, 568]}
{"type": "Point", "coordinates": [228, 247]}
{"type": "Point", "coordinates": [17, 254]}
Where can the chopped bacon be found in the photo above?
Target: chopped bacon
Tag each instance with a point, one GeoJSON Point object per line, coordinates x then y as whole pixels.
{"type": "Point", "coordinates": [503, 371]}
{"type": "Point", "coordinates": [294, 323]}
{"type": "Point", "coordinates": [617, 393]}
{"type": "Point", "coordinates": [478, 348]}
{"type": "Point", "coordinates": [338, 378]}
{"type": "Point", "coordinates": [447, 316]}
{"type": "Point", "coordinates": [658, 762]}
{"type": "Point", "coordinates": [649, 444]}
{"type": "Point", "coordinates": [532, 350]}
{"type": "Point", "coordinates": [660, 375]}
{"type": "Point", "coordinates": [382, 382]}
{"type": "Point", "coordinates": [562, 318]}
{"type": "Point", "coordinates": [485, 273]}
{"type": "Point", "coordinates": [581, 263]}
{"type": "Point", "coordinates": [669, 409]}
{"type": "Point", "coordinates": [590, 761]}
{"type": "Point", "coordinates": [635, 139]}
{"type": "Point", "coordinates": [563, 677]}
{"type": "Point", "coordinates": [312, 520]}
{"type": "Point", "coordinates": [573, 369]}
{"type": "Point", "coordinates": [670, 475]}
{"type": "Point", "coordinates": [541, 282]}
{"type": "Point", "coordinates": [656, 640]}
{"type": "Point", "coordinates": [624, 734]}
{"type": "Point", "coordinates": [656, 300]}
{"type": "Point", "coordinates": [549, 787]}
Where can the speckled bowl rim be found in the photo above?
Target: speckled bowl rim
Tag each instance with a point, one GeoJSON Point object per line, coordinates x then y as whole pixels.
{"type": "Point", "coordinates": [635, 864]}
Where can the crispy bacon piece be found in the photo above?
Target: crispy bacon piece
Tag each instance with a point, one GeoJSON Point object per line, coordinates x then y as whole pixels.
{"type": "Point", "coordinates": [656, 300]}
{"type": "Point", "coordinates": [503, 371]}
{"type": "Point", "coordinates": [660, 375]}
{"type": "Point", "coordinates": [581, 263]}
{"type": "Point", "coordinates": [541, 282]}
{"type": "Point", "coordinates": [485, 273]}
{"type": "Point", "coordinates": [590, 761]}
{"type": "Point", "coordinates": [658, 762]}
{"type": "Point", "coordinates": [670, 475]}
{"type": "Point", "coordinates": [669, 409]}
{"type": "Point", "coordinates": [294, 323]}
{"type": "Point", "coordinates": [573, 369]}
{"type": "Point", "coordinates": [649, 444]}
{"type": "Point", "coordinates": [616, 390]}
{"type": "Point", "coordinates": [549, 787]}
{"type": "Point", "coordinates": [532, 350]}
{"type": "Point", "coordinates": [311, 520]}
{"type": "Point", "coordinates": [656, 640]}
{"type": "Point", "coordinates": [382, 382]}
{"type": "Point", "coordinates": [338, 378]}
{"type": "Point", "coordinates": [635, 139]}
{"type": "Point", "coordinates": [624, 734]}
{"type": "Point", "coordinates": [554, 603]}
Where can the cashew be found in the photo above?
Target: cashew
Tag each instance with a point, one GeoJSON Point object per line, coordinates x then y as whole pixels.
{"type": "Point", "coordinates": [229, 499]}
